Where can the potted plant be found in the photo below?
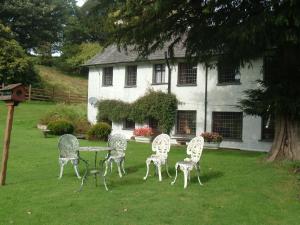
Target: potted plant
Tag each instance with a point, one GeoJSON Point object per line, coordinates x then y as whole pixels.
{"type": "Point", "coordinates": [143, 134]}
{"type": "Point", "coordinates": [212, 140]}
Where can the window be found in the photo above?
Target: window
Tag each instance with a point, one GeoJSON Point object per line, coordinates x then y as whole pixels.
{"type": "Point", "coordinates": [187, 74]}
{"type": "Point", "coordinates": [128, 124]}
{"type": "Point", "coordinates": [268, 131]}
{"type": "Point", "coordinates": [186, 122]}
{"type": "Point", "coordinates": [130, 80]}
{"type": "Point", "coordinates": [228, 124]}
{"type": "Point", "coordinates": [159, 74]}
{"type": "Point", "coordinates": [228, 72]}
{"type": "Point", "coordinates": [107, 79]}
{"type": "Point", "coordinates": [153, 123]}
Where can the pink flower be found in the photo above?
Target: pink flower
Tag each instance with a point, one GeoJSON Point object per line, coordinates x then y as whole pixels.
{"type": "Point", "coordinates": [212, 137]}
{"type": "Point", "coordinates": [143, 131]}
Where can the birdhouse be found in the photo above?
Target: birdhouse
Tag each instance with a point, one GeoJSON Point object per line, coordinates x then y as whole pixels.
{"type": "Point", "coordinates": [13, 93]}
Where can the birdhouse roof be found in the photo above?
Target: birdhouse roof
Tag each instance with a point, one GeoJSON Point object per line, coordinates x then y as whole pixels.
{"type": "Point", "coordinates": [10, 87]}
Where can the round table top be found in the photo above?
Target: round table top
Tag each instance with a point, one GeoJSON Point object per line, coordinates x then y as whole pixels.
{"type": "Point", "coordinates": [95, 149]}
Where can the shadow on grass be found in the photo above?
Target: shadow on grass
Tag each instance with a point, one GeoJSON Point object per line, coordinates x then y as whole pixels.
{"type": "Point", "coordinates": [209, 176]}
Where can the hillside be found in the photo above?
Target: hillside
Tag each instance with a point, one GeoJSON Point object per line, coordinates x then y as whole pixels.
{"type": "Point", "coordinates": [52, 77]}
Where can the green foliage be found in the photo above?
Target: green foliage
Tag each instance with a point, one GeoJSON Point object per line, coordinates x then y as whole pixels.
{"type": "Point", "coordinates": [76, 114]}
{"type": "Point", "coordinates": [15, 65]}
{"type": "Point", "coordinates": [113, 110]}
{"type": "Point", "coordinates": [60, 127]}
{"type": "Point", "coordinates": [155, 105]}
{"type": "Point", "coordinates": [37, 24]}
{"type": "Point", "coordinates": [74, 55]}
{"type": "Point", "coordinates": [99, 131]}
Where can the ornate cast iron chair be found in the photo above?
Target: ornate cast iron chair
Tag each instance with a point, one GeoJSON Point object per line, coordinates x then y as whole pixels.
{"type": "Point", "coordinates": [119, 143]}
{"type": "Point", "coordinates": [68, 146]}
{"type": "Point", "coordinates": [161, 147]}
{"type": "Point", "coordinates": [194, 150]}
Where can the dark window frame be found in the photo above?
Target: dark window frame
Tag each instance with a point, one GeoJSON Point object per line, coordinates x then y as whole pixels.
{"type": "Point", "coordinates": [226, 129]}
{"type": "Point", "coordinates": [159, 70]}
{"type": "Point", "coordinates": [193, 128]}
{"type": "Point", "coordinates": [187, 74]}
{"type": "Point", "coordinates": [131, 76]}
{"type": "Point", "coordinates": [107, 76]}
{"type": "Point", "coordinates": [270, 131]}
{"type": "Point", "coordinates": [128, 124]}
{"type": "Point", "coordinates": [227, 72]}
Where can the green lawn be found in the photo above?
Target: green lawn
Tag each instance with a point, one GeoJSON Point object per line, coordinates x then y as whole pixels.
{"type": "Point", "coordinates": [239, 187]}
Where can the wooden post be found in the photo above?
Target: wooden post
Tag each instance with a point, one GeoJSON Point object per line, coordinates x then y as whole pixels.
{"type": "Point", "coordinates": [29, 93]}
{"type": "Point", "coordinates": [9, 121]}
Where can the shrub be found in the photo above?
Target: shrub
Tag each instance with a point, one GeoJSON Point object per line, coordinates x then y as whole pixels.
{"type": "Point", "coordinates": [61, 127]}
{"type": "Point", "coordinates": [143, 131]}
{"type": "Point", "coordinates": [212, 137]}
{"type": "Point", "coordinates": [82, 126]}
{"type": "Point", "coordinates": [99, 131]}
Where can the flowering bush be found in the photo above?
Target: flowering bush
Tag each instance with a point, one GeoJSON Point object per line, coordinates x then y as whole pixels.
{"type": "Point", "coordinates": [212, 137]}
{"type": "Point", "coordinates": [143, 131]}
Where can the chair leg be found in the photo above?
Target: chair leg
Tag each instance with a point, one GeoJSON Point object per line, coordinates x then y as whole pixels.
{"type": "Point", "coordinates": [198, 174]}
{"type": "Point", "coordinates": [176, 170]}
{"type": "Point", "coordinates": [75, 164]}
{"type": "Point", "coordinates": [159, 172]}
{"type": "Point", "coordinates": [167, 168]}
{"type": "Point", "coordinates": [119, 169]}
{"type": "Point", "coordinates": [62, 163]}
{"type": "Point", "coordinates": [147, 173]}
{"type": "Point", "coordinates": [186, 174]}
{"type": "Point", "coordinates": [106, 166]}
{"type": "Point", "coordinates": [122, 165]}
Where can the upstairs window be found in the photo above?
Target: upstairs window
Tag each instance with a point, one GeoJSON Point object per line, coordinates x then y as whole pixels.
{"type": "Point", "coordinates": [159, 74]}
{"type": "Point", "coordinates": [107, 79]}
{"type": "Point", "coordinates": [228, 124]}
{"type": "Point", "coordinates": [187, 74]}
{"type": "Point", "coordinates": [228, 72]}
{"type": "Point", "coordinates": [186, 122]}
{"type": "Point", "coordinates": [128, 124]}
{"type": "Point", "coordinates": [131, 72]}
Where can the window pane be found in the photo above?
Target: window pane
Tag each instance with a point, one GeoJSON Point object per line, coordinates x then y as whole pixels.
{"type": "Point", "coordinates": [107, 76]}
{"type": "Point", "coordinates": [228, 124]}
{"type": "Point", "coordinates": [128, 124]}
{"type": "Point", "coordinates": [226, 72]}
{"type": "Point", "coordinates": [268, 128]}
{"type": "Point", "coordinates": [131, 75]}
{"type": "Point", "coordinates": [186, 122]}
{"type": "Point", "coordinates": [187, 73]}
{"type": "Point", "coordinates": [159, 74]}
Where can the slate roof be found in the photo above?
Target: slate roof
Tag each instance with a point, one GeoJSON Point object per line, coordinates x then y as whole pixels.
{"type": "Point", "coordinates": [112, 55]}
{"type": "Point", "coordinates": [11, 86]}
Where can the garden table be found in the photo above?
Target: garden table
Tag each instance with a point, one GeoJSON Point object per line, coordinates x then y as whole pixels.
{"type": "Point", "coordinates": [96, 170]}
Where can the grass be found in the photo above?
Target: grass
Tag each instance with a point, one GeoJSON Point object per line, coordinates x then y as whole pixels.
{"type": "Point", "coordinates": [52, 77]}
{"type": "Point", "coordinates": [239, 187]}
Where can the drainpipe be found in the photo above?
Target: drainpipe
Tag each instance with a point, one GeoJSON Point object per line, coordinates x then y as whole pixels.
{"type": "Point", "coordinates": [169, 72]}
{"type": "Point", "coordinates": [205, 101]}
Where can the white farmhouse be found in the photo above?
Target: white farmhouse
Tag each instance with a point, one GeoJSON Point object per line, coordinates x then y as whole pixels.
{"type": "Point", "coordinates": [208, 96]}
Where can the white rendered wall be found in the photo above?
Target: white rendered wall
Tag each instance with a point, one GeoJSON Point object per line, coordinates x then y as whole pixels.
{"type": "Point", "coordinates": [220, 98]}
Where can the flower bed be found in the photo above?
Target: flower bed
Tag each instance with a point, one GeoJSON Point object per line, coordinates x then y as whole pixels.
{"type": "Point", "coordinates": [212, 140]}
{"type": "Point", "coordinates": [143, 134]}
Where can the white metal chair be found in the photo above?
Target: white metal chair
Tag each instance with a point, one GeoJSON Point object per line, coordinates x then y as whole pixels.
{"type": "Point", "coordinates": [161, 147]}
{"type": "Point", "coordinates": [194, 150]}
{"type": "Point", "coordinates": [68, 146]}
{"type": "Point", "coordinates": [119, 143]}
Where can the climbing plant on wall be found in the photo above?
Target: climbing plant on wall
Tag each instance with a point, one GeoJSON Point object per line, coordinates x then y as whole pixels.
{"type": "Point", "coordinates": [156, 105]}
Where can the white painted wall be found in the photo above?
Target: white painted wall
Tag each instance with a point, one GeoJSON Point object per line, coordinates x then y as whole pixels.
{"type": "Point", "coordinates": [220, 98]}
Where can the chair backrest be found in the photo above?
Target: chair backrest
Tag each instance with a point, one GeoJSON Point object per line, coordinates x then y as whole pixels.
{"type": "Point", "coordinates": [161, 145]}
{"type": "Point", "coordinates": [195, 147]}
{"type": "Point", "coordinates": [68, 146]}
{"type": "Point", "coordinates": [118, 142]}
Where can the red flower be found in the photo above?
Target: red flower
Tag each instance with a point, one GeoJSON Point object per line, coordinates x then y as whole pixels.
{"type": "Point", "coordinates": [143, 131]}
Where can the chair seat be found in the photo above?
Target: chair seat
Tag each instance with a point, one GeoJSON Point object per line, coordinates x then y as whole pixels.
{"type": "Point", "coordinates": [186, 164]}
{"type": "Point", "coordinates": [156, 159]}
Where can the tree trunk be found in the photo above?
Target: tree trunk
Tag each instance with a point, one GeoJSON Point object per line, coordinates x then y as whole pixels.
{"type": "Point", "coordinates": [286, 144]}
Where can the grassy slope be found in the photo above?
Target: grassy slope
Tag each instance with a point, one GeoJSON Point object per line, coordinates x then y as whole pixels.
{"type": "Point", "coordinates": [52, 77]}
{"type": "Point", "coordinates": [239, 187]}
